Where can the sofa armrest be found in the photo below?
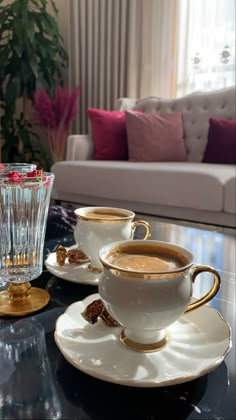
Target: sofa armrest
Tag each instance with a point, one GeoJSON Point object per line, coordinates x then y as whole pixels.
{"type": "Point", "coordinates": [80, 147]}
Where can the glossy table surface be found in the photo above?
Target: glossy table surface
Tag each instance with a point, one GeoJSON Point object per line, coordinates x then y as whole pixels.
{"type": "Point", "coordinates": [77, 395]}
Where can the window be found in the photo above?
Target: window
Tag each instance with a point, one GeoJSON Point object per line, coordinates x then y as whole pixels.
{"type": "Point", "coordinates": [206, 45]}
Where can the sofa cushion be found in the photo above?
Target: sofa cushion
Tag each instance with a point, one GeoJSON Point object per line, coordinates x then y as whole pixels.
{"type": "Point", "coordinates": [185, 185]}
{"type": "Point", "coordinates": [109, 134]}
{"type": "Point", "coordinates": [196, 109]}
{"type": "Point", "coordinates": [221, 145]}
{"type": "Point", "coordinates": [155, 138]}
{"type": "Point", "coordinates": [230, 195]}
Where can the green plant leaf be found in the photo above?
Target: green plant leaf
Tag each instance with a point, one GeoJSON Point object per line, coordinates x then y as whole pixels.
{"type": "Point", "coordinates": [19, 50]}
{"type": "Point", "coordinates": [12, 90]}
{"type": "Point", "coordinates": [39, 3]}
{"type": "Point", "coordinates": [30, 30]}
{"type": "Point", "coordinates": [4, 54]}
{"type": "Point", "coordinates": [37, 21]}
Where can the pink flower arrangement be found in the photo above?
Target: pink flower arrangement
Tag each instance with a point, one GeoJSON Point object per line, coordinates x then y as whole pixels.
{"type": "Point", "coordinates": [55, 115]}
{"type": "Point", "coordinates": [35, 176]}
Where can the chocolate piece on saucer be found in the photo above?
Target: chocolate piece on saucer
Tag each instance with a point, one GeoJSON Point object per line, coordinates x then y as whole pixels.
{"type": "Point", "coordinates": [108, 319]}
{"type": "Point", "coordinates": [76, 256]}
{"type": "Point", "coordinates": [92, 311]}
{"type": "Point", "coordinates": [95, 310]}
{"type": "Point", "coordinates": [61, 254]}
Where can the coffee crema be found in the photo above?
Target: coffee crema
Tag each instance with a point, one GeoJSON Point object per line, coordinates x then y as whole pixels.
{"type": "Point", "coordinates": [105, 214]}
{"type": "Point", "coordinates": [156, 260]}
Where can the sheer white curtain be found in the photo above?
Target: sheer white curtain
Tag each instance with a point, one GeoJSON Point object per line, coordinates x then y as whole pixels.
{"type": "Point", "coordinates": [206, 45]}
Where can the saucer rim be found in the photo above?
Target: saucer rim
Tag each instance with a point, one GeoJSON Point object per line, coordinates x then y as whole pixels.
{"type": "Point", "coordinates": [142, 383]}
{"type": "Point", "coordinates": [89, 281]}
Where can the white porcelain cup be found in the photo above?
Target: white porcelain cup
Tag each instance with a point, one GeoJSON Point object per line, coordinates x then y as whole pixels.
{"type": "Point", "coordinates": [147, 286]}
{"type": "Point", "coordinates": [98, 226]}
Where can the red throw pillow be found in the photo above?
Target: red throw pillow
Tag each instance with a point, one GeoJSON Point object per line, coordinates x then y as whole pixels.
{"type": "Point", "coordinates": [221, 144]}
{"type": "Point", "coordinates": [109, 134]}
{"type": "Point", "coordinates": [155, 138]}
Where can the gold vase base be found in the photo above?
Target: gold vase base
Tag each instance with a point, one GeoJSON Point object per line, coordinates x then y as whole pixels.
{"type": "Point", "coordinates": [22, 299]}
{"type": "Point", "coordinates": [140, 347]}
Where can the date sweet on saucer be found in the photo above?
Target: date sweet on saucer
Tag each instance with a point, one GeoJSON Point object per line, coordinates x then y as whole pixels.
{"type": "Point", "coordinates": [61, 254]}
{"type": "Point", "coordinates": [96, 310]}
{"type": "Point", "coordinates": [76, 256]}
{"type": "Point", "coordinates": [73, 256]}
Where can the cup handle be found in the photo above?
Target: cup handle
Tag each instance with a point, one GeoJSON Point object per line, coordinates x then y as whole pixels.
{"type": "Point", "coordinates": [212, 292]}
{"type": "Point", "coordinates": [145, 224]}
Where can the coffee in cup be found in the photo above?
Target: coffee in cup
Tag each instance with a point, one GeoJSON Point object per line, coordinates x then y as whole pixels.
{"type": "Point", "coordinates": [132, 259]}
{"type": "Point", "coordinates": [98, 226]}
{"type": "Point", "coordinates": [146, 286]}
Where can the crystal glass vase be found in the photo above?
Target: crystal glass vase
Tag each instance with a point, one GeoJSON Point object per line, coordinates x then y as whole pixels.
{"type": "Point", "coordinates": [24, 203]}
{"type": "Point", "coordinates": [18, 167]}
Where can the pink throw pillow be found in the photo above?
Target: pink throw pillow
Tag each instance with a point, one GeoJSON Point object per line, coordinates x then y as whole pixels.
{"type": "Point", "coordinates": [154, 137]}
{"type": "Point", "coordinates": [221, 144]}
{"type": "Point", "coordinates": [109, 134]}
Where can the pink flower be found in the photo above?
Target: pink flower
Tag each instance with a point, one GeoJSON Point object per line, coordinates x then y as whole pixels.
{"type": "Point", "coordinates": [36, 173]}
{"type": "Point", "coordinates": [34, 176]}
{"type": "Point", "coordinates": [56, 115]}
{"type": "Point", "coordinates": [14, 177]}
{"type": "Point", "coordinates": [39, 176]}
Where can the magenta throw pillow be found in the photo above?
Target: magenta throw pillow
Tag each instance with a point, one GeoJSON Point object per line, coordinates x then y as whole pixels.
{"type": "Point", "coordinates": [221, 144]}
{"type": "Point", "coordinates": [109, 134]}
{"type": "Point", "coordinates": [154, 137]}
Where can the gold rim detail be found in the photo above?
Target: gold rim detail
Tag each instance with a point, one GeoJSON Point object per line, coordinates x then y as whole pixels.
{"type": "Point", "coordinates": [140, 347]}
{"type": "Point", "coordinates": [118, 272]}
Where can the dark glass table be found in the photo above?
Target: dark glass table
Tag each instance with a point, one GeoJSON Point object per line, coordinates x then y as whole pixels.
{"type": "Point", "coordinates": [80, 396]}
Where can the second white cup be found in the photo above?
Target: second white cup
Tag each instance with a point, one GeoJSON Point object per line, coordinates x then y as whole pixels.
{"type": "Point", "coordinates": [99, 226]}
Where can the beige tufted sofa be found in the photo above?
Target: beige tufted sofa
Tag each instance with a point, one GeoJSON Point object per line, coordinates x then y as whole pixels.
{"type": "Point", "coordinates": [190, 190]}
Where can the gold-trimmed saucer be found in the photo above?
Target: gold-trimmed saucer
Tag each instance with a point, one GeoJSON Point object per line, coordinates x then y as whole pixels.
{"type": "Point", "coordinates": [75, 273]}
{"type": "Point", "coordinates": [194, 348]}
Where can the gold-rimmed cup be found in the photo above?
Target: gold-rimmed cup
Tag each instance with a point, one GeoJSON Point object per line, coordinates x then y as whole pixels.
{"type": "Point", "coordinates": [98, 226]}
{"type": "Point", "coordinates": [148, 285]}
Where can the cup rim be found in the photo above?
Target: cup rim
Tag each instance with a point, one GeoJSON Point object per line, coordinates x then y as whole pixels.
{"type": "Point", "coordinates": [116, 269]}
{"type": "Point", "coordinates": [81, 214]}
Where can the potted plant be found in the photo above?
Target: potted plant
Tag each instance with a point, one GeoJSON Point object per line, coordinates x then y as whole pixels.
{"type": "Point", "coordinates": [31, 55]}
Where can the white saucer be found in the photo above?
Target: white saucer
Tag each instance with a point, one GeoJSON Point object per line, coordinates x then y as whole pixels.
{"type": "Point", "coordinates": [76, 273]}
{"type": "Point", "coordinates": [197, 344]}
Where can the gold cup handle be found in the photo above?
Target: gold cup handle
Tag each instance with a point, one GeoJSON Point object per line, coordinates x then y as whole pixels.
{"type": "Point", "coordinates": [212, 292]}
{"type": "Point", "coordinates": [145, 224]}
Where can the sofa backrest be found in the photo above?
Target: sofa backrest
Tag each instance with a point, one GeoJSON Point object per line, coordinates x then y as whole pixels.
{"type": "Point", "coordinates": [196, 109]}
